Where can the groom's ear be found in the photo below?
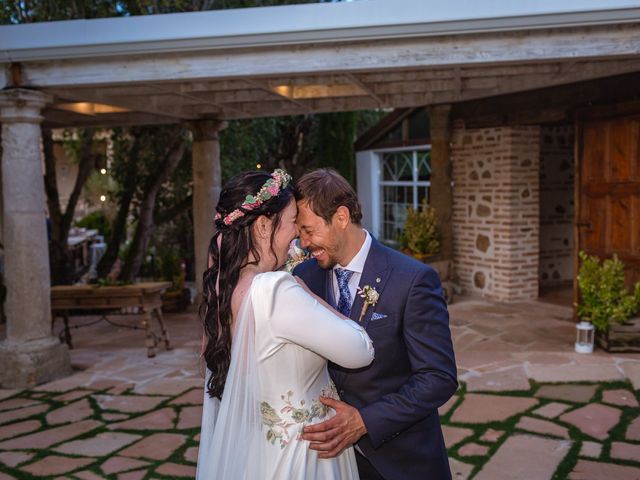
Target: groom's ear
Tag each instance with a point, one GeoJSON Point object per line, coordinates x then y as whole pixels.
{"type": "Point", "coordinates": [342, 217]}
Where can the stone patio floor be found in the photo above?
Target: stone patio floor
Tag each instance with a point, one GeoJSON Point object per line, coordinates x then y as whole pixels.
{"type": "Point", "coordinates": [528, 407]}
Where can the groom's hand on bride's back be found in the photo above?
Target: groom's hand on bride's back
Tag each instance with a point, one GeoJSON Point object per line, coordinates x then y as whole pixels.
{"type": "Point", "coordinates": [342, 430]}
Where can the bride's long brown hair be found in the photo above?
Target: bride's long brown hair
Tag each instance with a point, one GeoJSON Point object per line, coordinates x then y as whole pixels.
{"type": "Point", "coordinates": [236, 246]}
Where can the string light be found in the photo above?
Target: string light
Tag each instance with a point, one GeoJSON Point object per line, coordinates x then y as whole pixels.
{"type": "Point", "coordinates": [103, 198]}
{"type": "Point", "coordinates": [103, 171]}
{"type": "Point", "coordinates": [259, 166]}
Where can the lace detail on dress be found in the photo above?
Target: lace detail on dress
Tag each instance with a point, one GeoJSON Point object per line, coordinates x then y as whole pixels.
{"type": "Point", "coordinates": [278, 424]}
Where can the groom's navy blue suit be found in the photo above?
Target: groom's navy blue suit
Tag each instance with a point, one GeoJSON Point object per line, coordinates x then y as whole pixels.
{"type": "Point", "coordinates": [414, 371]}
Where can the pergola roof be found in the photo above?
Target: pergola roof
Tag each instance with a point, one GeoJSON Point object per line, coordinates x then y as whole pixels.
{"type": "Point", "coordinates": [315, 58]}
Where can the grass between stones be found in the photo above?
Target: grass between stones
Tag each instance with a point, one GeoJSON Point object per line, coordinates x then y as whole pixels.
{"type": "Point", "coordinates": [617, 433]}
{"type": "Point", "coordinates": [577, 437]}
{"type": "Point", "coordinates": [47, 397]}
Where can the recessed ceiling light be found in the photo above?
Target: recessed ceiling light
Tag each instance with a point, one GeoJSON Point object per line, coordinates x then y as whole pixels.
{"type": "Point", "coordinates": [298, 92]}
{"type": "Point", "coordinates": [88, 108]}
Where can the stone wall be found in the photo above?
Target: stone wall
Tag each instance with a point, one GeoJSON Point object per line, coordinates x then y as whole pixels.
{"type": "Point", "coordinates": [496, 211]}
{"type": "Point", "coordinates": [556, 205]}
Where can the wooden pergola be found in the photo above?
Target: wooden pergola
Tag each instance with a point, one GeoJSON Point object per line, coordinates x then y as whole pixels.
{"type": "Point", "coordinates": [208, 67]}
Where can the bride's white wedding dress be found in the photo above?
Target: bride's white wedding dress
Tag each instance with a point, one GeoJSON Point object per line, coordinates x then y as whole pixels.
{"type": "Point", "coordinates": [283, 338]}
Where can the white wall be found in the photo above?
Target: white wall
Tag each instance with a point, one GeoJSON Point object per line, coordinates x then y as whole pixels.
{"type": "Point", "coordinates": [368, 179]}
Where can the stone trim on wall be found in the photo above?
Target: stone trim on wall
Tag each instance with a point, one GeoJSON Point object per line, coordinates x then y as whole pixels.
{"type": "Point", "coordinates": [556, 205]}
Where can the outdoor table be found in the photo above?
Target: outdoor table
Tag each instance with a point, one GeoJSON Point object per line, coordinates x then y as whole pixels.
{"type": "Point", "coordinates": [144, 298]}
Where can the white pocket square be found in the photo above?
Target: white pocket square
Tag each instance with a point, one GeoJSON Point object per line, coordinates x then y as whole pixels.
{"type": "Point", "coordinates": [377, 316]}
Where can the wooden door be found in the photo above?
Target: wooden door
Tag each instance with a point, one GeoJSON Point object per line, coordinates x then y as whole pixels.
{"type": "Point", "coordinates": [608, 190]}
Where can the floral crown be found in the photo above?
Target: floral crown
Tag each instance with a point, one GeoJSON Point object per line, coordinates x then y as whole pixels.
{"type": "Point", "coordinates": [271, 188]}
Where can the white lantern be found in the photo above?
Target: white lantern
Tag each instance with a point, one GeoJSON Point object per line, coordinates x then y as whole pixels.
{"type": "Point", "coordinates": [584, 337]}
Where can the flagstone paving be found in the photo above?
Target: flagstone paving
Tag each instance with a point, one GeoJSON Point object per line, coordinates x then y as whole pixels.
{"type": "Point", "coordinates": [552, 410]}
{"type": "Point", "coordinates": [623, 398]}
{"type": "Point", "coordinates": [594, 419]}
{"type": "Point", "coordinates": [528, 406]}
{"type": "Point", "coordinates": [633, 432]}
{"type": "Point", "coordinates": [525, 456]}
{"type": "Point", "coordinates": [591, 449]}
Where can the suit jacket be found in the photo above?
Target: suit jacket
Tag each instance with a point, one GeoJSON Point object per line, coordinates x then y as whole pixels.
{"type": "Point", "coordinates": [414, 371]}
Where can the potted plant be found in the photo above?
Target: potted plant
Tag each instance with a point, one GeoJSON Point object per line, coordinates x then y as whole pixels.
{"type": "Point", "coordinates": [176, 298]}
{"type": "Point", "coordinates": [421, 240]}
{"type": "Point", "coordinates": [421, 236]}
{"type": "Point", "coordinates": [608, 305]}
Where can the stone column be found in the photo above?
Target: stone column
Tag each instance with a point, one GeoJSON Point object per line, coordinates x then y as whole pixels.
{"type": "Point", "coordinates": [496, 211]}
{"type": "Point", "coordinates": [30, 354]}
{"type": "Point", "coordinates": [441, 197]}
{"type": "Point", "coordinates": [207, 180]}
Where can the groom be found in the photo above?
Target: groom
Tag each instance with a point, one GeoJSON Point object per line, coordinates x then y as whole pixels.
{"type": "Point", "coordinates": [388, 409]}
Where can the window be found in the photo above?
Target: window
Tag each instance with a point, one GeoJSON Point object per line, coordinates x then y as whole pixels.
{"type": "Point", "coordinates": [404, 181]}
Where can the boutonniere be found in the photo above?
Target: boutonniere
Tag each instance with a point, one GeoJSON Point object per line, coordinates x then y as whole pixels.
{"type": "Point", "coordinates": [295, 256]}
{"type": "Point", "coordinates": [370, 295]}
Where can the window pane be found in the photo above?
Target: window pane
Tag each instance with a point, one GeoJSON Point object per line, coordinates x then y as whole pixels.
{"type": "Point", "coordinates": [419, 125]}
{"type": "Point", "coordinates": [423, 192]}
{"type": "Point", "coordinates": [395, 134]}
{"type": "Point", "coordinates": [424, 165]}
{"type": "Point", "coordinates": [397, 166]}
{"type": "Point", "coordinates": [395, 200]}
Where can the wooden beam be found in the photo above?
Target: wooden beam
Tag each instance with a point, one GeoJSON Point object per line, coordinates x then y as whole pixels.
{"type": "Point", "coordinates": [61, 119]}
{"type": "Point", "coordinates": [365, 87]}
{"type": "Point", "coordinates": [499, 49]}
{"type": "Point", "coordinates": [547, 105]}
{"type": "Point", "coordinates": [222, 111]}
{"type": "Point", "coordinates": [441, 197]}
{"type": "Point", "coordinates": [266, 88]}
{"type": "Point", "coordinates": [145, 104]}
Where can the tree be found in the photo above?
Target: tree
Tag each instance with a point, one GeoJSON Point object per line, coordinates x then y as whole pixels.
{"type": "Point", "coordinates": [335, 137]}
{"type": "Point", "coordinates": [83, 152]}
{"type": "Point", "coordinates": [148, 204]}
{"type": "Point", "coordinates": [151, 171]}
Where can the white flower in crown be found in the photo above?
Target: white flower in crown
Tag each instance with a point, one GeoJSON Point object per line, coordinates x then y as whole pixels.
{"type": "Point", "coordinates": [370, 295]}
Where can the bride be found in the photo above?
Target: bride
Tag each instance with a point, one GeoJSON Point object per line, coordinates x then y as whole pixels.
{"type": "Point", "coordinates": [267, 342]}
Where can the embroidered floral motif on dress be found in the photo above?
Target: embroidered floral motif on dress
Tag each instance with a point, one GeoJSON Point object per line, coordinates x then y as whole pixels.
{"type": "Point", "coordinates": [279, 423]}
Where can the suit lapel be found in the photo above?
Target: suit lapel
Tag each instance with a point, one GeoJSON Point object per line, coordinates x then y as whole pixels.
{"type": "Point", "coordinates": [328, 295]}
{"type": "Point", "coordinates": [375, 274]}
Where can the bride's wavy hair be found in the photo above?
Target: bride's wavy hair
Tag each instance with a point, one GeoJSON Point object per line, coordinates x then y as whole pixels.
{"type": "Point", "coordinates": [237, 246]}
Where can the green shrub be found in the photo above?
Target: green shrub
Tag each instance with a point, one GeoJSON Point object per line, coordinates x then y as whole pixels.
{"type": "Point", "coordinates": [170, 268]}
{"type": "Point", "coordinates": [603, 295]}
{"type": "Point", "coordinates": [421, 236]}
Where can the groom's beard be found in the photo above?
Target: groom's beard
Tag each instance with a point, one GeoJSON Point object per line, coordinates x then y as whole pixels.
{"type": "Point", "coordinates": [325, 260]}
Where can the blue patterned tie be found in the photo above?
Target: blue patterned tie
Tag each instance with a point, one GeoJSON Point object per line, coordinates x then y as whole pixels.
{"type": "Point", "coordinates": [344, 302]}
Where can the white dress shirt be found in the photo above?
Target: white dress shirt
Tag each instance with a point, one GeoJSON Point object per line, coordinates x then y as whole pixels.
{"type": "Point", "coordinates": [356, 265]}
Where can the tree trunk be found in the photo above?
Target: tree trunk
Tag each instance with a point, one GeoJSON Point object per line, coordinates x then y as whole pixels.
{"type": "Point", "coordinates": [119, 228]}
{"type": "Point", "coordinates": [133, 262]}
{"type": "Point", "coordinates": [292, 153]}
{"type": "Point", "coordinates": [336, 134]}
{"type": "Point", "coordinates": [61, 268]}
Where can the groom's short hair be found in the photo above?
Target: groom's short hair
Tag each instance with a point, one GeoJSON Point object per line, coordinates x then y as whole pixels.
{"type": "Point", "coordinates": [325, 190]}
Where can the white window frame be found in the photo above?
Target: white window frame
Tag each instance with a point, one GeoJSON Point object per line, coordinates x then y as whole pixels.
{"type": "Point", "coordinates": [415, 183]}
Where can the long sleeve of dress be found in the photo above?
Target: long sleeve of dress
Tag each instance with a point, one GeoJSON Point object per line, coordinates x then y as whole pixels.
{"type": "Point", "coordinates": [296, 317]}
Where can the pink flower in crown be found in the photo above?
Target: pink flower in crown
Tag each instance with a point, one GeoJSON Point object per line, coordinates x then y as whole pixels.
{"type": "Point", "coordinates": [233, 216]}
{"type": "Point", "coordinates": [251, 206]}
{"type": "Point", "coordinates": [273, 190]}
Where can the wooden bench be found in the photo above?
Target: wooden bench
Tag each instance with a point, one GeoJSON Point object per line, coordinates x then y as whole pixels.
{"type": "Point", "coordinates": [142, 298]}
